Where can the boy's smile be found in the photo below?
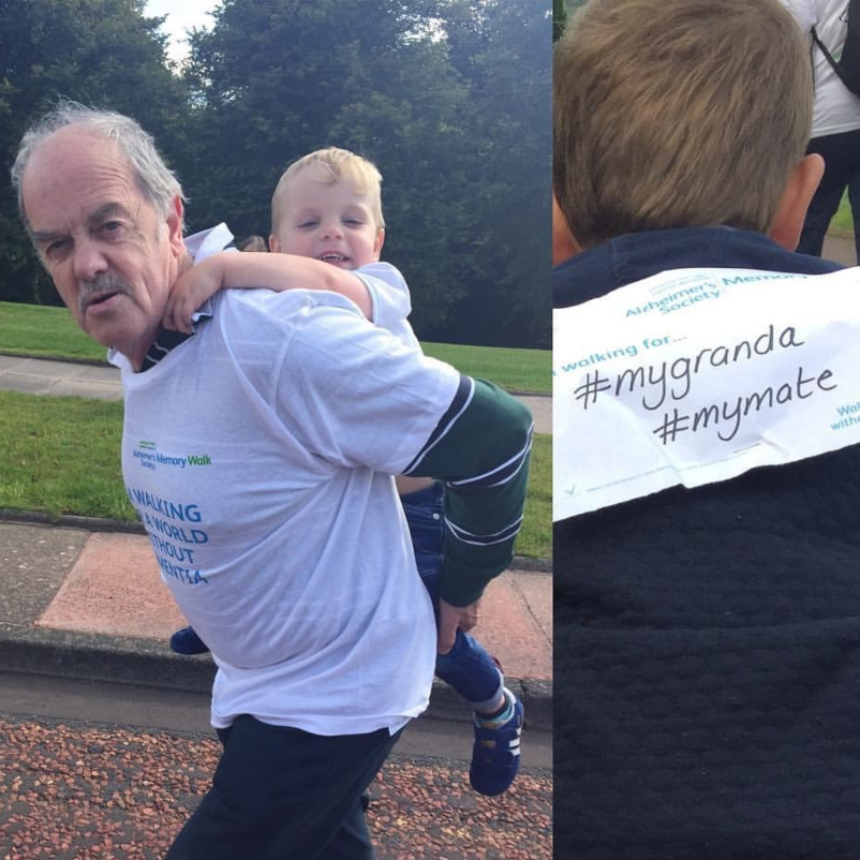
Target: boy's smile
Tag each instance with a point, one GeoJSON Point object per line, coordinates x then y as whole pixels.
{"type": "Point", "coordinates": [334, 258]}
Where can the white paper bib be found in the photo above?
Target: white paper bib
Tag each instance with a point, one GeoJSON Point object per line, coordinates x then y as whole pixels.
{"type": "Point", "coordinates": [698, 375]}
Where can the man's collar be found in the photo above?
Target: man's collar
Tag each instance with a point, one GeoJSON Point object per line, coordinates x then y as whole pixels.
{"type": "Point", "coordinates": [168, 340]}
{"type": "Point", "coordinates": [162, 345]}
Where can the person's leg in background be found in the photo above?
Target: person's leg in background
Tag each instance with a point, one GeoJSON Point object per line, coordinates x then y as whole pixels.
{"type": "Point", "coordinates": [854, 200]}
{"type": "Point", "coordinates": [841, 153]}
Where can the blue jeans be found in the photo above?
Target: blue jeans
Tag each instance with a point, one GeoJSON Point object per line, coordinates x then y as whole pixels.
{"type": "Point", "coordinates": [467, 667]}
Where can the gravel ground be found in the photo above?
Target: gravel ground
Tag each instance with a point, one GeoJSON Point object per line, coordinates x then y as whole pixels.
{"type": "Point", "coordinates": [83, 793]}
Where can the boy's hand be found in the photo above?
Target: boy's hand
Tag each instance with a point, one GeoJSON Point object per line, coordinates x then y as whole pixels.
{"type": "Point", "coordinates": [190, 291]}
{"type": "Point", "coordinates": [453, 617]}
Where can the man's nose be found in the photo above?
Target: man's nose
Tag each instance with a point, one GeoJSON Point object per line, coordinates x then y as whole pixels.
{"type": "Point", "coordinates": [88, 259]}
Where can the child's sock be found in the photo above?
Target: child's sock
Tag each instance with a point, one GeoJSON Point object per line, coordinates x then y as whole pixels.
{"type": "Point", "coordinates": [499, 716]}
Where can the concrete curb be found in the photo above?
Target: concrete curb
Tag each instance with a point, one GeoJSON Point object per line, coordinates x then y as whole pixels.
{"type": "Point", "coordinates": [27, 647]}
{"type": "Point", "coordinates": [63, 654]}
{"type": "Point", "coordinates": [89, 362]}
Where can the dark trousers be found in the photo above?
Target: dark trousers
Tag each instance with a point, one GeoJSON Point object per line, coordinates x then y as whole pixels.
{"type": "Point", "coordinates": [841, 154]}
{"type": "Point", "coordinates": [283, 794]}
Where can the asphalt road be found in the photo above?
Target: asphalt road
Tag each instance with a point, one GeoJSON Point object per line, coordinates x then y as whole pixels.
{"type": "Point", "coordinates": [110, 772]}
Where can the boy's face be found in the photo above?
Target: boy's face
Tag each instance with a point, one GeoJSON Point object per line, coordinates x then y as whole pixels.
{"type": "Point", "coordinates": [329, 222]}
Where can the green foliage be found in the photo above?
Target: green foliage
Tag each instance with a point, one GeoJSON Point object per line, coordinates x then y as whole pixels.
{"type": "Point", "coordinates": [559, 18]}
{"type": "Point", "coordinates": [273, 88]}
{"type": "Point", "coordinates": [451, 98]}
{"type": "Point", "coordinates": [100, 52]}
{"type": "Point", "coordinates": [502, 48]}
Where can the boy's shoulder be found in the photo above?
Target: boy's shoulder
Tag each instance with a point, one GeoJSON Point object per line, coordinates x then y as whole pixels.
{"type": "Point", "coordinates": [385, 272]}
{"type": "Point", "coordinates": [251, 320]}
{"type": "Point", "coordinates": [249, 307]}
{"type": "Point", "coordinates": [262, 331]}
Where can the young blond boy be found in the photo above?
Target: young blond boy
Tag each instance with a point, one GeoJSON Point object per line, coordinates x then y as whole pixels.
{"type": "Point", "coordinates": [707, 650]}
{"type": "Point", "coordinates": [327, 234]}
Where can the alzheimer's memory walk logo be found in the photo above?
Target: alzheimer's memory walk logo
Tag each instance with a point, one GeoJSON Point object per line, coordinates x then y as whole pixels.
{"type": "Point", "coordinates": [146, 453]}
{"type": "Point", "coordinates": [763, 371]}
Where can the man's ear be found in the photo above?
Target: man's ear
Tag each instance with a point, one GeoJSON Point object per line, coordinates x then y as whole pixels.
{"type": "Point", "coordinates": [274, 244]}
{"type": "Point", "coordinates": [377, 245]}
{"type": "Point", "coordinates": [799, 190]}
{"type": "Point", "coordinates": [174, 226]}
{"type": "Point", "coordinates": [563, 243]}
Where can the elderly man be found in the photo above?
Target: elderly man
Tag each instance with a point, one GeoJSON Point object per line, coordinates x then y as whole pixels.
{"type": "Point", "coordinates": [258, 453]}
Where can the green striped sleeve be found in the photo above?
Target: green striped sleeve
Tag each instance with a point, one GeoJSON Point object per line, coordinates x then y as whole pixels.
{"type": "Point", "coordinates": [480, 450]}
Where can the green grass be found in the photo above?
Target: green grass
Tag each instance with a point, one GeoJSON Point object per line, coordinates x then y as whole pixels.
{"type": "Point", "coordinates": [512, 369]}
{"type": "Point", "coordinates": [842, 224]}
{"type": "Point", "coordinates": [535, 539]}
{"type": "Point", "coordinates": [40, 330]}
{"type": "Point", "coordinates": [61, 455]}
{"type": "Point", "coordinates": [51, 332]}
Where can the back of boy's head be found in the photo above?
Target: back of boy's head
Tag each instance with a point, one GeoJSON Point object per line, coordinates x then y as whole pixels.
{"type": "Point", "coordinates": [329, 166]}
{"type": "Point", "coordinates": [677, 113]}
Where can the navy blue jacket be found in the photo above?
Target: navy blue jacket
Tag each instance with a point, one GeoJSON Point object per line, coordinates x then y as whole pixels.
{"type": "Point", "coordinates": [707, 641]}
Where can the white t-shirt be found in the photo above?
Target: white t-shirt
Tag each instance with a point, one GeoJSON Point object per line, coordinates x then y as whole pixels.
{"type": "Point", "coordinates": [835, 108]}
{"type": "Point", "coordinates": [259, 455]}
{"type": "Point", "coordinates": [390, 298]}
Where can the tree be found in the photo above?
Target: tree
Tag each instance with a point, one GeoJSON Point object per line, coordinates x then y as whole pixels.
{"type": "Point", "coordinates": [559, 19]}
{"type": "Point", "coordinates": [502, 48]}
{"type": "Point", "coordinates": [449, 97]}
{"type": "Point", "coordinates": [100, 52]}
{"type": "Point", "coordinates": [272, 82]}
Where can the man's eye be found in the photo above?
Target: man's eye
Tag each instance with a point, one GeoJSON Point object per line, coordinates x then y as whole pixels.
{"type": "Point", "coordinates": [56, 247]}
{"type": "Point", "coordinates": [111, 228]}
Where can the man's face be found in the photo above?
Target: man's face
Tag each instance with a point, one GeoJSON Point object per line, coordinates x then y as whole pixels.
{"type": "Point", "coordinates": [111, 256]}
{"type": "Point", "coordinates": [329, 222]}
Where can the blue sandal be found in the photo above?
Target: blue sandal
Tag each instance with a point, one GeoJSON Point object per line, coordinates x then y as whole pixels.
{"type": "Point", "coordinates": [496, 753]}
{"type": "Point", "coordinates": [186, 641]}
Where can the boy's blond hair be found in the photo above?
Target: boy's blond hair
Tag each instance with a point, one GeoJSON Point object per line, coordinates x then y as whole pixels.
{"type": "Point", "coordinates": [334, 165]}
{"type": "Point", "coordinates": [677, 113]}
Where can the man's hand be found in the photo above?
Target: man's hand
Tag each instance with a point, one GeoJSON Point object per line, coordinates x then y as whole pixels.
{"type": "Point", "coordinates": [453, 617]}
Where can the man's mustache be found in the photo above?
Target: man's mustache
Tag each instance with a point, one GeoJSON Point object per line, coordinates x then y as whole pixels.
{"type": "Point", "coordinates": [103, 283]}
